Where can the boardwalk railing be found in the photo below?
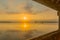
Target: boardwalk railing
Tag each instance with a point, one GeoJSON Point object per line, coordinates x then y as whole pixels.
{"type": "Point", "coordinates": [49, 36]}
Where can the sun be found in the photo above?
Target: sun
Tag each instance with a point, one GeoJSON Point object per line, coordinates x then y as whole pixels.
{"type": "Point", "coordinates": [25, 18]}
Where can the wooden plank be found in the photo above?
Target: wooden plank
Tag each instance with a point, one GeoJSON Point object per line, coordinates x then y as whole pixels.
{"type": "Point", "coordinates": [50, 36]}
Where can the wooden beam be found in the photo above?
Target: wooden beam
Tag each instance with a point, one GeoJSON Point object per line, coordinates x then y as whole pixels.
{"type": "Point", "coordinates": [54, 4]}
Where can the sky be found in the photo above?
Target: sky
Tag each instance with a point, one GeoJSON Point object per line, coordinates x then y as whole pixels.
{"type": "Point", "coordinates": [16, 7]}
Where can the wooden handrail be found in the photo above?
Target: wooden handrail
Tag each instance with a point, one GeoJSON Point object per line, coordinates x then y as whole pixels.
{"type": "Point", "coordinates": [47, 36]}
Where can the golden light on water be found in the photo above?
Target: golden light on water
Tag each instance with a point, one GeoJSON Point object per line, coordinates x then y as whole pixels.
{"type": "Point", "coordinates": [25, 25]}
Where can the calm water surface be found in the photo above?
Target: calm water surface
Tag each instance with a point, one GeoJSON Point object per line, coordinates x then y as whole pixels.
{"type": "Point", "coordinates": [33, 30]}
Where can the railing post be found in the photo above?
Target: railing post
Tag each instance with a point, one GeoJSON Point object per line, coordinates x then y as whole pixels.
{"type": "Point", "coordinates": [59, 19]}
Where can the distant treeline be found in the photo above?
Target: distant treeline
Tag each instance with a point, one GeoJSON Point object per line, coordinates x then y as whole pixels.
{"type": "Point", "coordinates": [29, 22]}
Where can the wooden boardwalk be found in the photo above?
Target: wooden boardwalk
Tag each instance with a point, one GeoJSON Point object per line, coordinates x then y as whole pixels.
{"type": "Point", "coordinates": [51, 36]}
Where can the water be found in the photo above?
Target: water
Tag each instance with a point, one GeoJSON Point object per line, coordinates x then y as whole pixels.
{"type": "Point", "coordinates": [12, 31]}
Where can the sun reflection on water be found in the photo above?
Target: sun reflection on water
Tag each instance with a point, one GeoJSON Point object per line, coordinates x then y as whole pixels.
{"type": "Point", "coordinates": [25, 25]}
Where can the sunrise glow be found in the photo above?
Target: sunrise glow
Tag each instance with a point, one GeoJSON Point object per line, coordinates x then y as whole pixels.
{"type": "Point", "coordinates": [25, 18]}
